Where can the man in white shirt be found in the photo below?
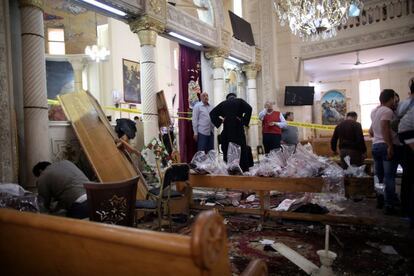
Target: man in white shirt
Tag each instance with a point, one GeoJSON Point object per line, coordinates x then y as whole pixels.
{"type": "Point", "coordinates": [202, 126]}
{"type": "Point", "coordinates": [383, 147]}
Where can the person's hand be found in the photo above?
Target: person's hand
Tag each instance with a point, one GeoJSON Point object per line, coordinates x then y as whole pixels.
{"type": "Point", "coordinates": [195, 137]}
{"type": "Point", "coordinates": [390, 152]}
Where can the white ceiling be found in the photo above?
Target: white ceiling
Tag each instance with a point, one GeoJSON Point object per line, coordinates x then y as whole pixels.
{"type": "Point", "coordinates": [333, 64]}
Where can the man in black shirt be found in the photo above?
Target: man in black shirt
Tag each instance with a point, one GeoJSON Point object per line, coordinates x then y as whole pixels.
{"type": "Point", "coordinates": [351, 140]}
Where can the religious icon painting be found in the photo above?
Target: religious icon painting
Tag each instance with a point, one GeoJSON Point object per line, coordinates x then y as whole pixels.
{"type": "Point", "coordinates": [333, 105]}
{"type": "Point", "coordinates": [132, 81]}
{"type": "Point", "coordinates": [194, 89]}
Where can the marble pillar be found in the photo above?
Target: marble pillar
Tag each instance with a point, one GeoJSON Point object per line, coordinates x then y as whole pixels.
{"type": "Point", "coordinates": [147, 30]}
{"type": "Point", "coordinates": [251, 74]}
{"type": "Point", "coordinates": [77, 65]}
{"type": "Point", "coordinates": [34, 86]}
{"type": "Point", "coordinates": [217, 57]}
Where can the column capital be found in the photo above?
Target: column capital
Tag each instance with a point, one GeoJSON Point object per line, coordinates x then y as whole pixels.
{"type": "Point", "coordinates": [217, 55]}
{"type": "Point", "coordinates": [31, 3]}
{"type": "Point", "coordinates": [251, 70]}
{"type": "Point", "coordinates": [147, 29]}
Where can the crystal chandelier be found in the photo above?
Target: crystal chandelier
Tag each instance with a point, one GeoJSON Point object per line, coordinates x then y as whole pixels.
{"type": "Point", "coordinates": [96, 53]}
{"type": "Point", "coordinates": [314, 19]}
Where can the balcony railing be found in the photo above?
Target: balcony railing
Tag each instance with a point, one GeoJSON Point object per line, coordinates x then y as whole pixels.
{"type": "Point", "coordinates": [379, 11]}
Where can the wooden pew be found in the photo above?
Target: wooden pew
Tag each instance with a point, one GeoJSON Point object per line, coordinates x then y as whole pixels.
{"type": "Point", "coordinates": [263, 185]}
{"type": "Point", "coordinates": [35, 244]}
{"type": "Point", "coordinates": [322, 146]}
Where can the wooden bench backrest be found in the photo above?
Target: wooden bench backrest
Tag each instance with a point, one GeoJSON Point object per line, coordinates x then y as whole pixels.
{"type": "Point", "coordinates": [35, 244]}
{"type": "Point", "coordinates": [322, 147]}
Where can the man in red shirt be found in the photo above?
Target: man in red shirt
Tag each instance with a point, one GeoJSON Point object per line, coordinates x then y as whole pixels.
{"type": "Point", "coordinates": [272, 124]}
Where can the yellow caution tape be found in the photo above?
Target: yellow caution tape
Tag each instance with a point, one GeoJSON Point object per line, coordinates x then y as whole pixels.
{"type": "Point", "coordinates": [310, 125]}
{"type": "Point", "coordinates": [254, 117]}
{"type": "Point", "coordinates": [53, 102]}
{"type": "Point", "coordinates": [129, 110]}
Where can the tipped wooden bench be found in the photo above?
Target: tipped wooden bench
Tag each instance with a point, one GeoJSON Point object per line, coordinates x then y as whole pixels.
{"type": "Point", "coordinates": [35, 244]}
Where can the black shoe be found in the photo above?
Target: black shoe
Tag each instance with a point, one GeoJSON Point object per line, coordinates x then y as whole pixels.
{"type": "Point", "coordinates": [380, 201]}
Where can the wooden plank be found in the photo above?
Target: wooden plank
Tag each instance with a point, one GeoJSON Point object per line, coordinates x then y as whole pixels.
{"type": "Point", "coordinates": [295, 257]}
{"type": "Point", "coordinates": [339, 219]}
{"type": "Point", "coordinates": [97, 139]}
{"type": "Point", "coordinates": [305, 184]}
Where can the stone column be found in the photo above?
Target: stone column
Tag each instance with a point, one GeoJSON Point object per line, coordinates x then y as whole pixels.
{"type": "Point", "coordinates": [147, 29]}
{"type": "Point", "coordinates": [36, 123]}
{"type": "Point", "coordinates": [77, 65]}
{"type": "Point", "coordinates": [251, 74]}
{"type": "Point", "coordinates": [217, 57]}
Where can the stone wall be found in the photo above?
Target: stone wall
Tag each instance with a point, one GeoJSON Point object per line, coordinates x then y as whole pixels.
{"type": "Point", "coordinates": [8, 150]}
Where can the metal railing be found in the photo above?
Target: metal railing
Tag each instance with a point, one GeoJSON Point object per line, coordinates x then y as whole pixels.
{"type": "Point", "coordinates": [379, 11]}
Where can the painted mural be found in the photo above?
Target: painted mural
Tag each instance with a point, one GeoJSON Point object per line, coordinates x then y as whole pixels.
{"type": "Point", "coordinates": [333, 105]}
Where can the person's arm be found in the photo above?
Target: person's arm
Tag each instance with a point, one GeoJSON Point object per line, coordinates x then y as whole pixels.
{"type": "Point", "coordinates": [247, 113]}
{"type": "Point", "coordinates": [262, 114]}
{"type": "Point", "coordinates": [371, 132]}
{"type": "Point", "coordinates": [361, 140]}
{"type": "Point", "coordinates": [44, 193]}
{"type": "Point", "coordinates": [195, 121]}
{"type": "Point", "coordinates": [216, 116]}
{"type": "Point", "coordinates": [282, 123]}
{"type": "Point", "coordinates": [386, 134]}
{"type": "Point", "coordinates": [334, 140]}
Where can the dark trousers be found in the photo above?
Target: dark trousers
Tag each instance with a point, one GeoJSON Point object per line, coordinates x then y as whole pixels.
{"type": "Point", "coordinates": [78, 210]}
{"type": "Point", "coordinates": [407, 182]}
{"type": "Point", "coordinates": [355, 155]}
{"type": "Point", "coordinates": [271, 141]}
{"type": "Point", "coordinates": [205, 142]}
{"type": "Point", "coordinates": [386, 170]}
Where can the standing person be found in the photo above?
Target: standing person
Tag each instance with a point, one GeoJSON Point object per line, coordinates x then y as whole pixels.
{"type": "Point", "coordinates": [382, 147]}
{"type": "Point", "coordinates": [351, 140]}
{"type": "Point", "coordinates": [234, 114]}
{"type": "Point", "coordinates": [406, 135]}
{"type": "Point", "coordinates": [405, 128]}
{"type": "Point", "coordinates": [202, 126]}
{"type": "Point", "coordinates": [63, 182]}
{"type": "Point", "coordinates": [272, 124]}
{"type": "Point", "coordinates": [290, 134]}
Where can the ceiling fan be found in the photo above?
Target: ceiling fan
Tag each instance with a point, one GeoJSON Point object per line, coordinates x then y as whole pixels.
{"type": "Point", "coordinates": [188, 6]}
{"type": "Point", "coordinates": [359, 62]}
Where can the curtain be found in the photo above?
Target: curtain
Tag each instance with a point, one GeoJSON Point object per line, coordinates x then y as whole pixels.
{"type": "Point", "coordinates": [190, 83]}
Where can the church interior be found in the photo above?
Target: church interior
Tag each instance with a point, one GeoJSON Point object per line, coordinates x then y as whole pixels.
{"type": "Point", "coordinates": [104, 106]}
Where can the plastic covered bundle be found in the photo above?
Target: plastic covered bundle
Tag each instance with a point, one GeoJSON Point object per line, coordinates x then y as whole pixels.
{"type": "Point", "coordinates": [233, 159]}
{"type": "Point", "coordinates": [354, 170]}
{"type": "Point", "coordinates": [208, 163]}
{"type": "Point", "coordinates": [333, 178]}
{"type": "Point", "coordinates": [199, 162]}
{"type": "Point", "coordinates": [15, 197]}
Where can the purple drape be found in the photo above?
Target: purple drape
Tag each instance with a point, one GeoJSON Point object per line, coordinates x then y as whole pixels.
{"type": "Point", "coordinates": [189, 65]}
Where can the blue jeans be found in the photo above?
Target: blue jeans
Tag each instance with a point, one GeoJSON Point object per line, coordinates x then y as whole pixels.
{"type": "Point", "coordinates": [205, 142]}
{"type": "Point", "coordinates": [386, 171]}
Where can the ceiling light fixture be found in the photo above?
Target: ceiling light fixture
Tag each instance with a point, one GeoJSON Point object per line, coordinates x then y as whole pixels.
{"type": "Point", "coordinates": [105, 7]}
{"type": "Point", "coordinates": [315, 19]}
{"type": "Point", "coordinates": [236, 59]}
{"type": "Point", "coordinates": [189, 40]}
{"type": "Point", "coordinates": [96, 53]}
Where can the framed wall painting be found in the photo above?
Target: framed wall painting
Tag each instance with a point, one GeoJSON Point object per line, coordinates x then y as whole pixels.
{"type": "Point", "coordinates": [333, 106]}
{"type": "Point", "coordinates": [132, 81]}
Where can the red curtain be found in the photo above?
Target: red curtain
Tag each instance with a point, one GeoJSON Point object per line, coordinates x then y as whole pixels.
{"type": "Point", "coordinates": [189, 70]}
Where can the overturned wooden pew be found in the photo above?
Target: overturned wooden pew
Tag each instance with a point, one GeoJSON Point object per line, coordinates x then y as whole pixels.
{"type": "Point", "coordinates": [35, 244]}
